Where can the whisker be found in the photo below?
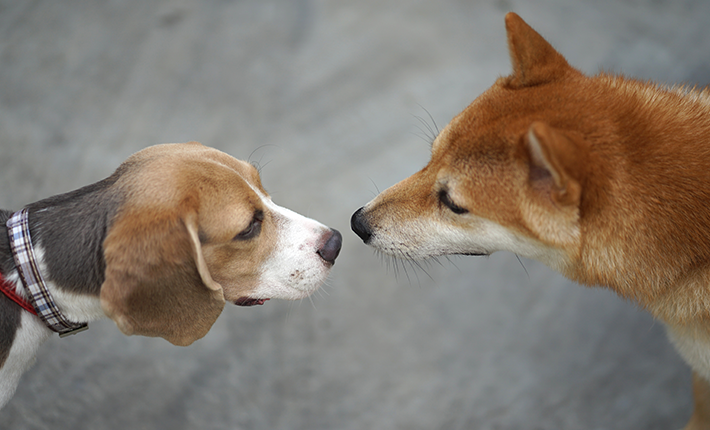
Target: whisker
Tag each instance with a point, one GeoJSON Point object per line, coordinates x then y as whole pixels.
{"type": "Point", "coordinates": [373, 183]}
{"type": "Point", "coordinates": [431, 118]}
{"type": "Point", "coordinates": [433, 132]}
{"type": "Point", "coordinates": [404, 266]}
{"type": "Point", "coordinates": [419, 136]}
{"type": "Point", "coordinates": [392, 264]}
{"type": "Point", "coordinates": [397, 269]}
{"type": "Point", "coordinates": [416, 275]}
{"type": "Point", "coordinates": [452, 263]}
{"type": "Point", "coordinates": [289, 311]}
{"type": "Point", "coordinates": [421, 267]}
{"type": "Point", "coordinates": [323, 290]}
{"type": "Point", "coordinates": [262, 166]}
{"type": "Point", "coordinates": [425, 123]}
{"type": "Point", "coordinates": [429, 132]}
{"type": "Point", "coordinates": [521, 263]}
{"type": "Point", "coordinates": [310, 299]}
{"type": "Point", "coordinates": [258, 164]}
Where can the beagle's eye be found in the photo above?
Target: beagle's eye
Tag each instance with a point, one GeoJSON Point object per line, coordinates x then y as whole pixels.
{"type": "Point", "coordinates": [253, 229]}
{"type": "Point", "coordinates": [445, 200]}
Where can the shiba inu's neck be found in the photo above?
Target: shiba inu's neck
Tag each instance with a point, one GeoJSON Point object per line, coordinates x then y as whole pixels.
{"type": "Point", "coordinates": [682, 102]}
{"type": "Point", "coordinates": [661, 173]}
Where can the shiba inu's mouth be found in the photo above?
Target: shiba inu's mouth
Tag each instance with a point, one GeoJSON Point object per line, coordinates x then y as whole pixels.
{"type": "Point", "coordinates": [420, 241]}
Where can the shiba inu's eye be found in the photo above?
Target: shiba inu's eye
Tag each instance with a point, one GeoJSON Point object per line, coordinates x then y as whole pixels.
{"type": "Point", "coordinates": [446, 201]}
{"type": "Point", "coordinates": [254, 227]}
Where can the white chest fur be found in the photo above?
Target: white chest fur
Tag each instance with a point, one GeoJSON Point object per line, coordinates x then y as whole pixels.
{"type": "Point", "coordinates": [75, 307]}
{"type": "Point", "coordinates": [31, 334]}
{"type": "Point", "coordinates": [693, 343]}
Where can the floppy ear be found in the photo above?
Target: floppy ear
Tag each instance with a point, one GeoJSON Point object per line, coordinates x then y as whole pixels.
{"type": "Point", "coordinates": [554, 164]}
{"type": "Point", "coordinates": [157, 282]}
{"type": "Point", "coordinates": [534, 60]}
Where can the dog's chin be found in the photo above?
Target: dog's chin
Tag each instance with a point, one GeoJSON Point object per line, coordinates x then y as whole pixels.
{"type": "Point", "coordinates": [425, 253]}
{"type": "Point", "coordinates": [283, 292]}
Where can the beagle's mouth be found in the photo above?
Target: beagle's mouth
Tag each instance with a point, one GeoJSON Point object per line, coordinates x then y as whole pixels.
{"type": "Point", "coordinates": [248, 301]}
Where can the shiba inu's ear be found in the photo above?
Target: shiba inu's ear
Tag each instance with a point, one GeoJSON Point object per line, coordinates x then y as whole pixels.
{"type": "Point", "coordinates": [534, 60]}
{"type": "Point", "coordinates": [553, 161]}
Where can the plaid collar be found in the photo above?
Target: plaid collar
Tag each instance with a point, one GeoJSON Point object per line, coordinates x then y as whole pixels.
{"type": "Point", "coordinates": [18, 229]}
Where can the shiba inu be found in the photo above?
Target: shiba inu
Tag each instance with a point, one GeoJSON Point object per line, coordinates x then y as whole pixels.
{"type": "Point", "coordinates": [605, 179]}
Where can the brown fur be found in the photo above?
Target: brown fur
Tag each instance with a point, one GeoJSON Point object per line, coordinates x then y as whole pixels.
{"type": "Point", "coordinates": [604, 178]}
{"type": "Point", "coordinates": [701, 414]}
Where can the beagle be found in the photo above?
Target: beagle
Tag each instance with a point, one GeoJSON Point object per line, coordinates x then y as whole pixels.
{"type": "Point", "coordinates": [159, 247]}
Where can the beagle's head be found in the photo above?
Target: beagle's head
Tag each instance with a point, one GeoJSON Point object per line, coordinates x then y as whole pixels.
{"type": "Point", "coordinates": [197, 229]}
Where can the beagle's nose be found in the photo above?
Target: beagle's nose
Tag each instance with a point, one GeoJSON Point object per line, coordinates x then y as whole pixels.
{"type": "Point", "coordinates": [331, 248]}
{"type": "Point", "coordinates": [360, 226]}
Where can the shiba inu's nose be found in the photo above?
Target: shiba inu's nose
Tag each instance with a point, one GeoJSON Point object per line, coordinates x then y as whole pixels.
{"type": "Point", "coordinates": [360, 226]}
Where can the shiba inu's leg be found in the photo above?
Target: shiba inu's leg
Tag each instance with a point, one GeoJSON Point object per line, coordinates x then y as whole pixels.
{"type": "Point", "coordinates": [701, 396]}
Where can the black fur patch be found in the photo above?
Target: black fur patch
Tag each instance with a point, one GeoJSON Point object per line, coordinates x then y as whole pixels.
{"type": "Point", "coordinates": [71, 229]}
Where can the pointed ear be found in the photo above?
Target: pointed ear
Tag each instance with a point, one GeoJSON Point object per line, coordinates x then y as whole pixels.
{"type": "Point", "coordinates": [157, 282]}
{"type": "Point", "coordinates": [534, 60]}
{"type": "Point", "coordinates": [554, 164]}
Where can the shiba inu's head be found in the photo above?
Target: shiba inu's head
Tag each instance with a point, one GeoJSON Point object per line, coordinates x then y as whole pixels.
{"type": "Point", "coordinates": [505, 174]}
{"type": "Point", "coordinates": [600, 178]}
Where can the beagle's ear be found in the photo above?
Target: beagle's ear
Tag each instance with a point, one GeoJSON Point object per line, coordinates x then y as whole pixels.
{"type": "Point", "coordinates": [554, 164]}
{"type": "Point", "coordinates": [534, 60]}
{"type": "Point", "coordinates": [157, 282]}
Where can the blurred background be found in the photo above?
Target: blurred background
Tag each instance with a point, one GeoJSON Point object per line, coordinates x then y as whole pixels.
{"type": "Point", "coordinates": [335, 100]}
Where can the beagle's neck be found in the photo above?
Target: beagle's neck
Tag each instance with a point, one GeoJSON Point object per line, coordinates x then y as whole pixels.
{"type": "Point", "coordinates": [75, 307]}
{"type": "Point", "coordinates": [67, 232]}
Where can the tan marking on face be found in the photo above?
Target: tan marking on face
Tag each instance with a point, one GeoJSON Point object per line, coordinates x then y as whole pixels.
{"type": "Point", "coordinates": [223, 192]}
{"type": "Point", "coordinates": [227, 194]}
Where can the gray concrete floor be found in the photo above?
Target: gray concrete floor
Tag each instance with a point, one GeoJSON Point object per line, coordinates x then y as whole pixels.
{"type": "Point", "coordinates": [327, 96]}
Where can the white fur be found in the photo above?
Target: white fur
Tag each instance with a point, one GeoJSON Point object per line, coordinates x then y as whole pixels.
{"type": "Point", "coordinates": [14, 277]}
{"type": "Point", "coordinates": [29, 337]}
{"type": "Point", "coordinates": [294, 270]}
{"type": "Point", "coordinates": [77, 308]}
{"type": "Point", "coordinates": [31, 334]}
{"type": "Point", "coordinates": [693, 344]}
{"type": "Point", "coordinates": [422, 238]}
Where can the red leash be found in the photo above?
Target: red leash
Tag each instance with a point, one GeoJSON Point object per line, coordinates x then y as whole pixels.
{"type": "Point", "coordinates": [9, 290]}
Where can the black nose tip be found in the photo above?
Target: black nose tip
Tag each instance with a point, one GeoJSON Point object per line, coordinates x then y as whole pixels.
{"type": "Point", "coordinates": [360, 226]}
{"type": "Point", "coordinates": [331, 248]}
